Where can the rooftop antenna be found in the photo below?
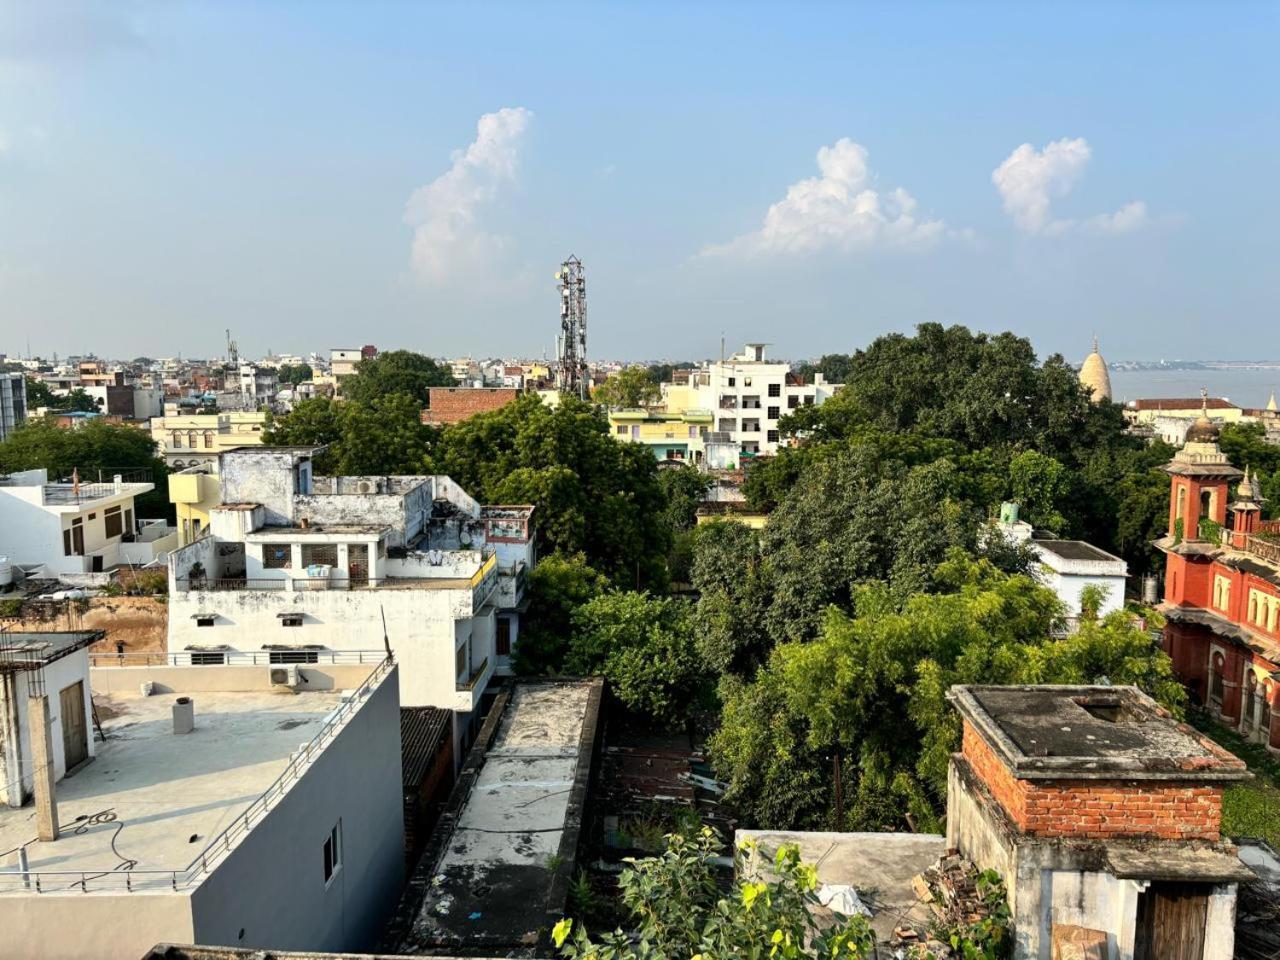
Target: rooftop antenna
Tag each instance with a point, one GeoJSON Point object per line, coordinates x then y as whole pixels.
{"type": "Point", "coordinates": [572, 345]}
{"type": "Point", "coordinates": [233, 353]}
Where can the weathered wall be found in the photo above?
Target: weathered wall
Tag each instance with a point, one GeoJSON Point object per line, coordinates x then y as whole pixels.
{"type": "Point", "coordinates": [272, 885]}
{"type": "Point", "coordinates": [264, 477]}
{"type": "Point", "coordinates": [419, 624]}
{"type": "Point", "coordinates": [58, 676]}
{"type": "Point", "coordinates": [140, 623]}
{"type": "Point", "coordinates": [223, 679]}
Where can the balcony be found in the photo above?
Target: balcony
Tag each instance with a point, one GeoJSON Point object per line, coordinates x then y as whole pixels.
{"type": "Point", "coordinates": [1264, 548]}
{"type": "Point", "coordinates": [477, 674]}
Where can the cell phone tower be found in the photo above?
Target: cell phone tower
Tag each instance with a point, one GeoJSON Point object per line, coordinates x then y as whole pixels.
{"type": "Point", "coordinates": [571, 377]}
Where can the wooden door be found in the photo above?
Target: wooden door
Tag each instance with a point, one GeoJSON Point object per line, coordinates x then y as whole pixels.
{"type": "Point", "coordinates": [1171, 921]}
{"type": "Point", "coordinates": [75, 733]}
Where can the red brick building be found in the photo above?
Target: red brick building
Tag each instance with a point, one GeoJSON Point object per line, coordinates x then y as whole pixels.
{"type": "Point", "coordinates": [1222, 588]}
{"type": "Point", "coordinates": [453, 404]}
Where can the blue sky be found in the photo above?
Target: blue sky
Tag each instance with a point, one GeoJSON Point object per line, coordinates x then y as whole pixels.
{"type": "Point", "coordinates": [813, 175]}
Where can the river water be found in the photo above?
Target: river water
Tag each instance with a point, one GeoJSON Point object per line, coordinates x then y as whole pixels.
{"type": "Point", "coordinates": [1246, 388]}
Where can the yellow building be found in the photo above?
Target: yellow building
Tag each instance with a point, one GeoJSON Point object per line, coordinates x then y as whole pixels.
{"type": "Point", "coordinates": [671, 436]}
{"type": "Point", "coordinates": [196, 440]}
{"type": "Point", "coordinates": [194, 492]}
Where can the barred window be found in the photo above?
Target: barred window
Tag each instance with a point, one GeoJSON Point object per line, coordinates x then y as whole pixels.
{"type": "Point", "coordinates": [277, 556]}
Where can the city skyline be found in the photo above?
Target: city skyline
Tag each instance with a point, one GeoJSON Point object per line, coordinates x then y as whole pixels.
{"type": "Point", "coordinates": [326, 175]}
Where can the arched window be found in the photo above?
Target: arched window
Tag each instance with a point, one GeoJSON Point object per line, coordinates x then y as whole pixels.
{"type": "Point", "coordinates": [1216, 665]}
{"type": "Point", "coordinates": [1182, 502]}
{"type": "Point", "coordinates": [1248, 709]}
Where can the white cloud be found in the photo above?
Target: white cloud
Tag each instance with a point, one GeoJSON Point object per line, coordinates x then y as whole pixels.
{"type": "Point", "coordinates": [838, 209]}
{"type": "Point", "coordinates": [443, 214]}
{"type": "Point", "coordinates": [1030, 180]}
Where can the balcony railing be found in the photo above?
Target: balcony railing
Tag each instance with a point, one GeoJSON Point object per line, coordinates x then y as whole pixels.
{"type": "Point", "coordinates": [311, 584]}
{"type": "Point", "coordinates": [476, 674]}
{"type": "Point", "coordinates": [130, 881]}
{"type": "Point", "coordinates": [1263, 549]}
{"type": "Point", "coordinates": [230, 658]}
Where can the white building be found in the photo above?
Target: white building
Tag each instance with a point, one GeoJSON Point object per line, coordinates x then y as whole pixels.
{"type": "Point", "coordinates": [303, 565]}
{"type": "Point", "coordinates": [223, 807]}
{"type": "Point", "coordinates": [343, 360]}
{"type": "Point", "coordinates": [258, 385]}
{"type": "Point", "coordinates": [748, 395]}
{"type": "Point", "coordinates": [13, 403]}
{"type": "Point", "coordinates": [66, 529]}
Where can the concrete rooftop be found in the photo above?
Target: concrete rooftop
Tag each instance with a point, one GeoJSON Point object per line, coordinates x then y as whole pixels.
{"type": "Point", "coordinates": [1090, 732]}
{"type": "Point", "coordinates": [878, 865]}
{"type": "Point", "coordinates": [494, 872]}
{"type": "Point", "coordinates": [157, 798]}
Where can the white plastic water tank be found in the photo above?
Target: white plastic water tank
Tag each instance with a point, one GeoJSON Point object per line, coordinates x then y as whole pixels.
{"type": "Point", "coordinates": [6, 572]}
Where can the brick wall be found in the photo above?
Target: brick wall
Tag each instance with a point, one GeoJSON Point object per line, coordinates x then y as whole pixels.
{"type": "Point", "coordinates": [452, 404]}
{"type": "Point", "coordinates": [1097, 809]}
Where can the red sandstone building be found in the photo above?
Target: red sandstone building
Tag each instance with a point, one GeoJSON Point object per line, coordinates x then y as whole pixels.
{"type": "Point", "coordinates": [1222, 588]}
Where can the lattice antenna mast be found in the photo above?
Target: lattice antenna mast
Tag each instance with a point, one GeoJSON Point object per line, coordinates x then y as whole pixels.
{"type": "Point", "coordinates": [233, 353]}
{"type": "Point", "coordinates": [572, 343]}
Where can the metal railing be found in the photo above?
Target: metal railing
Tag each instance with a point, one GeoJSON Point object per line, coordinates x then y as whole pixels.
{"type": "Point", "coordinates": [59, 881]}
{"type": "Point", "coordinates": [231, 658]}
{"type": "Point", "coordinates": [309, 584]}
{"type": "Point", "coordinates": [476, 674]}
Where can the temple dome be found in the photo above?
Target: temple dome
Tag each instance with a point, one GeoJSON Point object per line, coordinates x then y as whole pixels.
{"type": "Point", "coordinates": [1094, 376]}
{"type": "Point", "coordinates": [1203, 430]}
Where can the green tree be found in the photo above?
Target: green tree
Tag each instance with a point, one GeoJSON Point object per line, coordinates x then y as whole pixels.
{"type": "Point", "coordinates": [684, 488]}
{"type": "Point", "coordinates": [630, 387]}
{"type": "Point", "coordinates": [644, 646]}
{"type": "Point", "coordinates": [593, 495]}
{"type": "Point", "coordinates": [397, 371]}
{"type": "Point", "coordinates": [93, 450]}
{"type": "Point", "coordinates": [295, 373]}
{"type": "Point", "coordinates": [834, 367]}
{"type": "Point", "coordinates": [733, 589]}
{"type": "Point", "coordinates": [870, 693]}
{"type": "Point", "coordinates": [1039, 483]}
{"type": "Point", "coordinates": [675, 902]}
{"type": "Point", "coordinates": [558, 585]}
{"type": "Point", "coordinates": [381, 436]}
{"type": "Point", "coordinates": [661, 373]}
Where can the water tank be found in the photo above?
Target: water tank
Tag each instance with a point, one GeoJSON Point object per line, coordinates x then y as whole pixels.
{"type": "Point", "coordinates": [1008, 512]}
{"type": "Point", "coordinates": [6, 572]}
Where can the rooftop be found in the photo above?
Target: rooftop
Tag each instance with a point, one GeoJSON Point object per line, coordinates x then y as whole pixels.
{"type": "Point", "coordinates": [422, 730]}
{"type": "Point", "coordinates": [25, 651]}
{"type": "Point", "coordinates": [1181, 403]}
{"type": "Point", "coordinates": [1076, 550]}
{"type": "Point", "coordinates": [145, 809]}
{"type": "Point", "coordinates": [1090, 732]}
{"type": "Point", "coordinates": [496, 874]}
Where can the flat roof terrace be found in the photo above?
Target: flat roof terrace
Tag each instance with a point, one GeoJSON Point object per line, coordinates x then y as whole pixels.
{"type": "Point", "coordinates": [144, 810]}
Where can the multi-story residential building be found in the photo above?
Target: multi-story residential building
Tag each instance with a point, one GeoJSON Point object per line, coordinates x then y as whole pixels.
{"type": "Point", "coordinates": [194, 492]}
{"type": "Point", "coordinates": [73, 527]}
{"type": "Point", "coordinates": [94, 373]}
{"type": "Point", "coordinates": [242, 804]}
{"type": "Point", "coordinates": [301, 565]}
{"type": "Point", "coordinates": [258, 385]}
{"type": "Point", "coordinates": [13, 403]}
{"type": "Point", "coordinates": [670, 436]}
{"type": "Point", "coordinates": [198, 439]}
{"type": "Point", "coordinates": [1222, 588]}
{"type": "Point", "coordinates": [343, 360]}
{"type": "Point", "coordinates": [748, 395]}
{"type": "Point", "coordinates": [128, 401]}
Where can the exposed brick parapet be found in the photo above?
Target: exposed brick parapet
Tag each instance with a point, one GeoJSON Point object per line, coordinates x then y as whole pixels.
{"type": "Point", "coordinates": [1097, 809]}
{"type": "Point", "coordinates": [453, 404]}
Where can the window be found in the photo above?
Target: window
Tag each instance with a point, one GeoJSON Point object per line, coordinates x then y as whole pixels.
{"type": "Point", "coordinates": [128, 520]}
{"type": "Point", "coordinates": [635, 431]}
{"type": "Point", "coordinates": [693, 433]}
{"type": "Point", "coordinates": [177, 441]}
{"type": "Point", "coordinates": [207, 658]}
{"type": "Point", "coordinates": [111, 518]}
{"type": "Point", "coordinates": [792, 402]}
{"type": "Point", "coordinates": [808, 401]}
{"type": "Point", "coordinates": [277, 556]}
{"type": "Point", "coordinates": [621, 430]}
{"type": "Point", "coordinates": [333, 853]}
{"type": "Point", "coordinates": [775, 389]}
{"type": "Point", "coordinates": [292, 620]}
{"type": "Point", "coordinates": [1221, 592]}
{"type": "Point", "coordinates": [204, 620]}
{"type": "Point", "coordinates": [208, 439]}
{"type": "Point", "coordinates": [293, 656]}
{"type": "Point", "coordinates": [460, 661]}
{"type": "Point", "coordinates": [326, 553]}
{"type": "Point", "coordinates": [504, 637]}
{"type": "Point", "coordinates": [773, 413]}
{"type": "Point", "coordinates": [1215, 678]}
{"type": "Point", "coordinates": [773, 436]}
{"type": "Point", "coordinates": [733, 381]}
{"type": "Point", "coordinates": [746, 381]}
{"type": "Point", "coordinates": [73, 539]}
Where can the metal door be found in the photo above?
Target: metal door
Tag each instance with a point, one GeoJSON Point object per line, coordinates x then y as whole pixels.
{"type": "Point", "coordinates": [75, 733]}
{"type": "Point", "coordinates": [358, 561]}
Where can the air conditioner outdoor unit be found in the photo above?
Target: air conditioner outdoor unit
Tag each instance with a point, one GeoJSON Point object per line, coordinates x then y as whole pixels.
{"type": "Point", "coordinates": [285, 676]}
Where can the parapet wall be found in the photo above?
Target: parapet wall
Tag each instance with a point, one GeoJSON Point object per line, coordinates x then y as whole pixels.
{"type": "Point", "coordinates": [1097, 809]}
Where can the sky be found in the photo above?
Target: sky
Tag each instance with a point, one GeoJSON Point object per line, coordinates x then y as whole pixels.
{"type": "Point", "coordinates": [813, 175]}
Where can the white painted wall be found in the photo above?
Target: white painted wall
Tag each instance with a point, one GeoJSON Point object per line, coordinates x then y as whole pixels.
{"type": "Point", "coordinates": [1069, 586]}
{"type": "Point", "coordinates": [58, 676]}
{"type": "Point", "coordinates": [33, 532]}
{"type": "Point", "coordinates": [272, 884]}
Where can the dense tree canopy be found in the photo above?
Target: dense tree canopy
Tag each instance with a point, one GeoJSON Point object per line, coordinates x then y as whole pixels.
{"type": "Point", "coordinates": [630, 387]}
{"type": "Point", "coordinates": [295, 373]}
{"type": "Point", "coordinates": [396, 371]}
{"type": "Point", "coordinates": [94, 449]}
{"type": "Point", "coordinates": [834, 368]}
{"type": "Point", "coordinates": [593, 495]}
{"type": "Point", "coordinates": [868, 696]}
{"type": "Point", "coordinates": [382, 436]}
{"type": "Point", "coordinates": [1246, 445]}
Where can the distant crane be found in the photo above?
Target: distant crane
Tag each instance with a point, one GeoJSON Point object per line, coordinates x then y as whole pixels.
{"type": "Point", "coordinates": [571, 376]}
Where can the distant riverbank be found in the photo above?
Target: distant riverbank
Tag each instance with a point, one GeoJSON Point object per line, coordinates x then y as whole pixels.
{"type": "Point", "coordinates": [1247, 388]}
